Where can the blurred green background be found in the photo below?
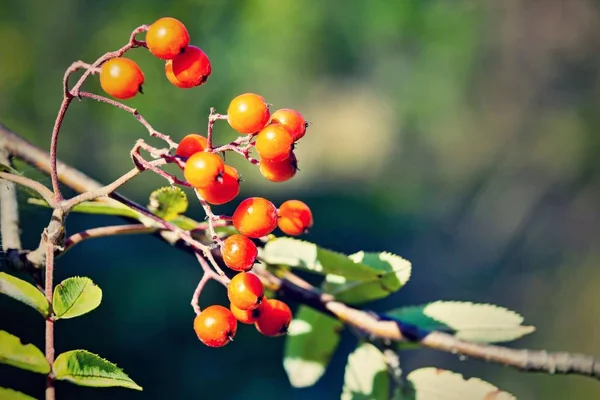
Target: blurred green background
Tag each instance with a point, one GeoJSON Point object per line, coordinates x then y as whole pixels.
{"type": "Point", "coordinates": [462, 135]}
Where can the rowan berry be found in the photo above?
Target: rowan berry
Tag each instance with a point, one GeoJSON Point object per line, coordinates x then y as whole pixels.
{"type": "Point", "coordinates": [248, 113]}
{"type": "Point", "coordinates": [121, 78]}
{"type": "Point", "coordinates": [222, 190]}
{"type": "Point", "coordinates": [255, 217]}
{"type": "Point", "coordinates": [295, 217]}
{"type": "Point", "coordinates": [190, 144]}
{"type": "Point", "coordinates": [279, 171]}
{"type": "Point", "coordinates": [189, 68]}
{"type": "Point", "coordinates": [167, 37]}
{"type": "Point", "coordinates": [239, 252]}
{"type": "Point", "coordinates": [292, 120]}
{"type": "Point", "coordinates": [203, 169]}
{"type": "Point", "coordinates": [274, 143]}
{"type": "Point", "coordinates": [245, 291]}
{"type": "Point", "coordinates": [274, 318]}
{"type": "Point", "coordinates": [215, 326]}
{"type": "Point", "coordinates": [247, 316]}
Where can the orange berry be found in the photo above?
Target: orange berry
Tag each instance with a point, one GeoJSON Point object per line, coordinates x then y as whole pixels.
{"type": "Point", "coordinates": [292, 120]}
{"type": "Point", "coordinates": [245, 291]}
{"type": "Point", "coordinates": [215, 326]}
{"type": "Point", "coordinates": [248, 113]}
{"type": "Point", "coordinates": [224, 190]}
{"type": "Point", "coordinates": [247, 316]}
{"type": "Point", "coordinates": [190, 144]}
{"type": "Point", "coordinates": [167, 37]}
{"type": "Point", "coordinates": [121, 78]}
{"type": "Point", "coordinates": [203, 169]}
{"type": "Point", "coordinates": [255, 217]}
{"type": "Point", "coordinates": [274, 143]}
{"type": "Point", "coordinates": [295, 217]}
{"type": "Point", "coordinates": [239, 252]}
{"type": "Point", "coordinates": [189, 68]}
{"type": "Point", "coordinates": [279, 171]}
{"type": "Point", "coordinates": [274, 318]}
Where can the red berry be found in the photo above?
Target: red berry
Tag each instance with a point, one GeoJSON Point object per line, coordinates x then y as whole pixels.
{"type": "Point", "coordinates": [203, 169]}
{"type": "Point", "coordinates": [292, 120]}
{"type": "Point", "coordinates": [190, 144]}
{"type": "Point", "coordinates": [245, 291]}
{"type": "Point", "coordinates": [248, 113]}
{"type": "Point", "coordinates": [274, 319]}
{"type": "Point", "coordinates": [167, 37]}
{"type": "Point", "coordinates": [239, 252]}
{"type": "Point", "coordinates": [247, 316]}
{"type": "Point", "coordinates": [255, 217]}
{"type": "Point", "coordinates": [224, 190]}
{"type": "Point", "coordinates": [295, 217]}
{"type": "Point", "coordinates": [274, 143]}
{"type": "Point", "coordinates": [121, 78]}
{"type": "Point", "coordinates": [279, 171]}
{"type": "Point", "coordinates": [215, 326]}
{"type": "Point", "coordinates": [189, 68]}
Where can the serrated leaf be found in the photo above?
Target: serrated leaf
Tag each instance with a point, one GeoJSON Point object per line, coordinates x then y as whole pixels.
{"type": "Point", "coordinates": [484, 323]}
{"type": "Point", "coordinates": [95, 207]}
{"type": "Point", "coordinates": [311, 340]}
{"type": "Point", "coordinates": [308, 256]}
{"type": "Point", "coordinates": [24, 356]}
{"type": "Point", "coordinates": [9, 394]}
{"type": "Point", "coordinates": [439, 384]}
{"type": "Point", "coordinates": [366, 375]}
{"type": "Point", "coordinates": [24, 292]}
{"type": "Point", "coordinates": [75, 296]}
{"type": "Point", "coordinates": [393, 273]}
{"type": "Point", "coordinates": [87, 369]}
{"type": "Point", "coordinates": [168, 202]}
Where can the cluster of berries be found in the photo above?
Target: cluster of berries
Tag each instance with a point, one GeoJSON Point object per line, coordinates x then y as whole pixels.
{"type": "Point", "coordinates": [186, 66]}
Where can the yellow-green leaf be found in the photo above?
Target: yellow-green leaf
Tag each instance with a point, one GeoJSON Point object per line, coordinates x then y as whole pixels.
{"type": "Point", "coordinates": [168, 202]}
{"type": "Point", "coordinates": [24, 356]}
{"type": "Point", "coordinates": [24, 292]}
{"type": "Point", "coordinates": [75, 296]}
{"type": "Point", "coordinates": [95, 207]}
{"type": "Point", "coordinates": [366, 375]}
{"type": "Point", "coordinates": [9, 394]}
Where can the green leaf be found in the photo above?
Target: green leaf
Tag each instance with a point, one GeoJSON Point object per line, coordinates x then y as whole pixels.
{"type": "Point", "coordinates": [311, 340]}
{"type": "Point", "coordinates": [87, 369]}
{"type": "Point", "coordinates": [168, 202]}
{"type": "Point", "coordinates": [366, 376]}
{"type": "Point", "coordinates": [439, 384]}
{"type": "Point", "coordinates": [393, 273]}
{"type": "Point", "coordinates": [9, 394]}
{"type": "Point", "coordinates": [485, 323]}
{"type": "Point", "coordinates": [9, 169]}
{"type": "Point", "coordinates": [24, 292]}
{"type": "Point", "coordinates": [185, 223]}
{"type": "Point", "coordinates": [75, 296]}
{"type": "Point", "coordinates": [95, 207]}
{"type": "Point", "coordinates": [24, 356]}
{"type": "Point", "coordinates": [300, 254]}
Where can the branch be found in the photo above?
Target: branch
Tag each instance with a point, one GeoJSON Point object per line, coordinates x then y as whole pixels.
{"type": "Point", "coordinates": [9, 209]}
{"type": "Point", "coordinates": [31, 184]}
{"type": "Point", "coordinates": [105, 231]}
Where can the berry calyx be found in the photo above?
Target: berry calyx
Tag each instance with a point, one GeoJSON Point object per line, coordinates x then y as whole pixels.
{"type": "Point", "coordinates": [279, 171]}
{"type": "Point", "coordinates": [246, 291]}
{"type": "Point", "coordinates": [248, 113]}
{"type": "Point", "coordinates": [239, 252]}
{"type": "Point", "coordinates": [167, 37]}
{"type": "Point", "coordinates": [247, 316]}
{"type": "Point", "coordinates": [274, 143]}
{"type": "Point", "coordinates": [295, 217]}
{"type": "Point", "coordinates": [191, 144]}
{"type": "Point", "coordinates": [203, 169]}
{"type": "Point", "coordinates": [292, 120]}
{"type": "Point", "coordinates": [255, 217]}
{"type": "Point", "coordinates": [222, 190]}
{"type": "Point", "coordinates": [215, 326]}
{"type": "Point", "coordinates": [274, 319]}
{"type": "Point", "coordinates": [121, 78]}
{"type": "Point", "coordinates": [188, 69]}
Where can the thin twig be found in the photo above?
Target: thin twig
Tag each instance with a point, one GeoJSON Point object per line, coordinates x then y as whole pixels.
{"type": "Point", "coordinates": [105, 231]}
{"type": "Point", "coordinates": [48, 289]}
{"type": "Point", "coordinates": [9, 210]}
{"type": "Point", "coordinates": [31, 184]}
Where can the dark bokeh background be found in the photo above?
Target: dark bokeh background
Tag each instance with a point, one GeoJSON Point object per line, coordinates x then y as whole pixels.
{"type": "Point", "coordinates": [462, 135]}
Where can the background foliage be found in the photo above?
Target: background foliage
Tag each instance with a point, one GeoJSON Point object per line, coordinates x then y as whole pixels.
{"type": "Point", "coordinates": [460, 134]}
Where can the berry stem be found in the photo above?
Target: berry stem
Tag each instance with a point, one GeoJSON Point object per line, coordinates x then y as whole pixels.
{"type": "Point", "coordinates": [212, 118]}
{"type": "Point", "coordinates": [211, 218]}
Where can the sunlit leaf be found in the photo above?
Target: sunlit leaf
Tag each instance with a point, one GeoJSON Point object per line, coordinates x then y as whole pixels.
{"type": "Point", "coordinates": [366, 375]}
{"type": "Point", "coordinates": [9, 394]}
{"type": "Point", "coordinates": [311, 340]}
{"type": "Point", "coordinates": [87, 369]}
{"type": "Point", "coordinates": [24, 356]}
{"type": "Point", "coordinates": [75, 296]}
{"type": "Point", "coordinates": [24, 292]}
{"type": "Point", "coordinates": [168, 202]}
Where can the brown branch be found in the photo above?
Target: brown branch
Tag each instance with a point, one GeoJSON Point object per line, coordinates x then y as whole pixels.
{"type": "Point", "coordinates": [105, 231]}
{"type": "Point", "coordinates": [9, 209]}
{"type": "Point", "coordinates": [31, 184]}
